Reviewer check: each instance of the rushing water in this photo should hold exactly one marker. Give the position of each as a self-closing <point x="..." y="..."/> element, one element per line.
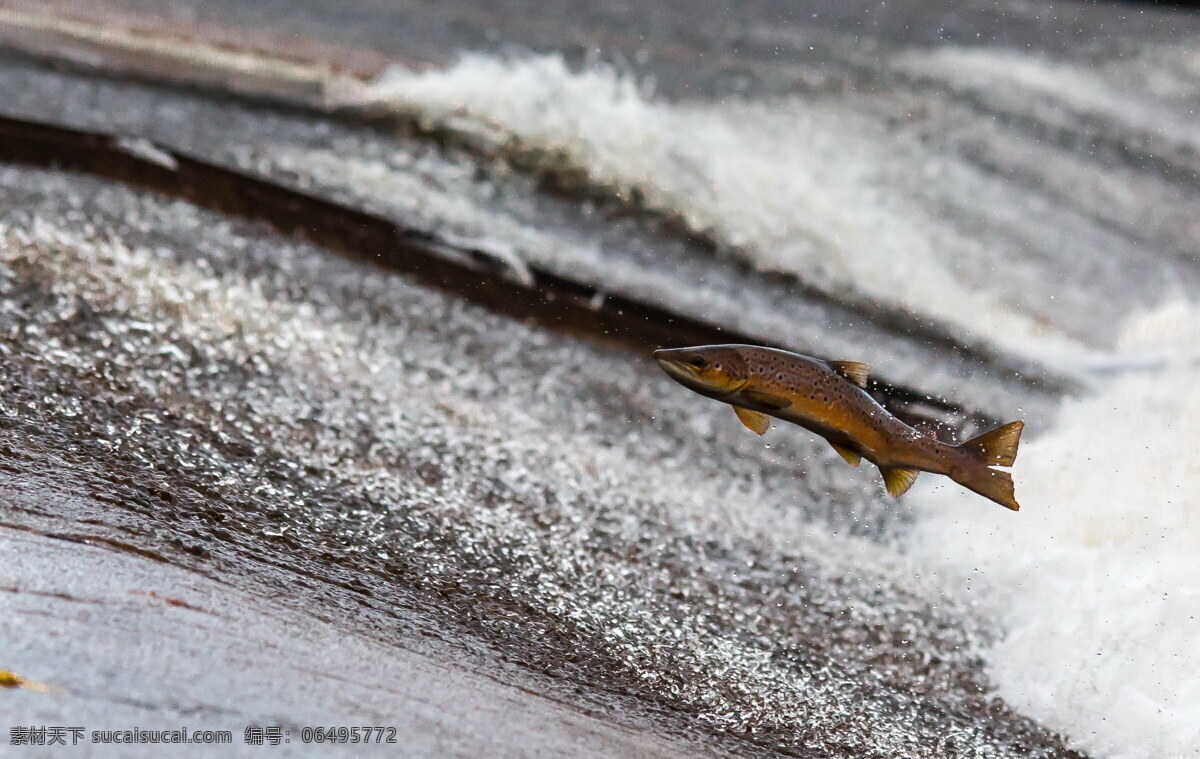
<point x="618" y="532"/>
<point x="969" y="214"/>
<point x="1097" y="585"/>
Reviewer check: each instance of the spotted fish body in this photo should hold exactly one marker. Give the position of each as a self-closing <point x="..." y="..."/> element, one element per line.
<point x="828" y="398"/>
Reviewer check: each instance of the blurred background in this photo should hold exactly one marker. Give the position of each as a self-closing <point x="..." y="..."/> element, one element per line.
<point x="326" y="396"/>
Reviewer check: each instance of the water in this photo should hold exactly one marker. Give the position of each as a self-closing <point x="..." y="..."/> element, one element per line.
<point x="848" y="193"/>
<point x="568" y="506"/>
<point x="1097" y="584"/>
<point x="960" y="213"/>
<point x="249" y="405"/>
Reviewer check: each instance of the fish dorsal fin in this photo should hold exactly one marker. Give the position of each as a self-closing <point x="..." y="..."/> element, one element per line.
<point x="770" y="400"/>
<point x="898" y="481"/>
<point x="850" y="456"/>
<point x="755" y="421"/>
<point x="852" y="370"/>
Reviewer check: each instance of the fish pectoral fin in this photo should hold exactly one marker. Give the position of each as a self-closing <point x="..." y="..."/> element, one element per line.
<point x="898" y="481"/>
<point x="755" y="421"/>
<point x="854" y="371"/>
<point x="850" y="456"/>
<point x="770" y="400"/>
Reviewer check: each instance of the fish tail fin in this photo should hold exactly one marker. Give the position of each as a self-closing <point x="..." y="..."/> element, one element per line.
<point x="997" y="447"/>
<point x="992" y="484"/>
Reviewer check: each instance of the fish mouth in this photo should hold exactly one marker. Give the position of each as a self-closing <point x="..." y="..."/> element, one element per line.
<point x="673" y="366"/>
<point x="677" y="369"/>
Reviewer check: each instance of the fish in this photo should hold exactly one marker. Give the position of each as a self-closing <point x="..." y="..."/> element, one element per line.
<point x="830" y="399"/>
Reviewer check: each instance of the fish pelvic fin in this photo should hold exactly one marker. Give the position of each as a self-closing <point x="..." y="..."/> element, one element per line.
<point x="998" y="447"/>
<point x="854" y="371"/>
<point x="755" y="421"/>
<point x="852" y="458"/>
<point x="897" y="480"/>
<point x="992" y="484"/>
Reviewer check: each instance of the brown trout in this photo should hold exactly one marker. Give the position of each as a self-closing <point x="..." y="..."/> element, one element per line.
<point x="828" y="398"/>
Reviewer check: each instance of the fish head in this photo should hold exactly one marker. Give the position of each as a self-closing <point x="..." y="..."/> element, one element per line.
<point x="712" y="370"/>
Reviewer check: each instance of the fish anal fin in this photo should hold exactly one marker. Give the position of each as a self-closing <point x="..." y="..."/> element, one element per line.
<point x="755" y="421"/>
<point x="850" y="456"/>
<point x="997" y="447"/>
<point x="770" y="400"/>
<point x="854" y="371"/>
<point x="897" y="480"/>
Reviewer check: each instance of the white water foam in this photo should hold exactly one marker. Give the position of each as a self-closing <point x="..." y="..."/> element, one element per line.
<point x="796" y="186"/>
<point x="1129" y="92"/>
<point x="1096" y="582"/>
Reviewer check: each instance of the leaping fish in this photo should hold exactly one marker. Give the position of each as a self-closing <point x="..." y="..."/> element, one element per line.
<point x="828" y="398"/>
